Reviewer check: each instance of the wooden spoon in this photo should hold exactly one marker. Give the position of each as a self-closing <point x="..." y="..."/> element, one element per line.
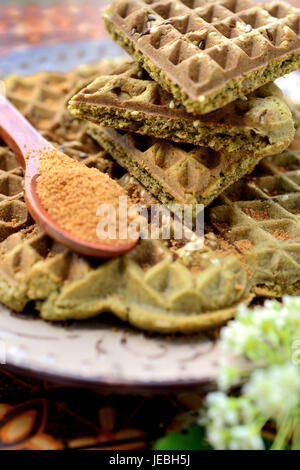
<point x="27" y="143"/>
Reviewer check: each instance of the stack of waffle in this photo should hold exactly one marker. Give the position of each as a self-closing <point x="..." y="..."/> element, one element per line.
<point x="195" y="57"/>
<point x="198" y="107"/>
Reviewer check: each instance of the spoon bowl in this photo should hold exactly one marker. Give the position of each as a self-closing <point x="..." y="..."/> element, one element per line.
<point x="28" y="144"/>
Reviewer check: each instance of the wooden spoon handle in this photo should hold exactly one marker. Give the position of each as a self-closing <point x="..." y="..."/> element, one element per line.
<point x="18" y="133"/>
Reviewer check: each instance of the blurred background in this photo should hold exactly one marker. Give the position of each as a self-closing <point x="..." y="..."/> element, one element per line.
<point x="26" y="23"/>
<point x="37" y="22"/>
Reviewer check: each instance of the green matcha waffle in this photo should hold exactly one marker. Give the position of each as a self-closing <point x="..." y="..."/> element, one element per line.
<point x="174" y="284"/>
<point x="174" y="172"/>
<point x="260" y="216"/>
<point x="129" y="99"/>
<point x="208" y="53"/>
<point x="170" y="286"/>
<point x="148" y="288"/>
<point x="172" y="295"/>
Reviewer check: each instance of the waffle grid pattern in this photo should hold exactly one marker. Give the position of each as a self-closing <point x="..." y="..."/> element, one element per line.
<point x="130" y="84"/>
<point x="202" y="44"/>
<point x="13" y="211"/>
<point x="184" y="172"/>
<point x="128" y="99"/>
<point x="261" y="218"/>
<point x="39" y="97"/>
<point x="177" y="290"/>
<point x="169" y="289"/>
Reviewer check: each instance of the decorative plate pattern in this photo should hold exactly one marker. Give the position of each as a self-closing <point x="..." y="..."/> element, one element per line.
<point x="104" y="352"/>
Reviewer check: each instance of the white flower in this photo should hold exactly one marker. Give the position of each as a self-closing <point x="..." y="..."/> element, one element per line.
<point x="219" y="410"/>
<point x="237" y="336"/>
<point x="245" y="438"/>
<point x="264" y="334"/>
<point x="228" y="377"/>
<point x="217" y="437"/>
<point x="275" y="391"/>
<point x="230" y="422"/>
<point x="262" y="337"/>
<point x="293" y="301"/>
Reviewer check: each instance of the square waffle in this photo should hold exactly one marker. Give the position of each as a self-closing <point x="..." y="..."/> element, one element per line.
<point x="208" y="53"/>
<point x="128" y="99"/>
<point x="42" y="97"/>
<point x="174" y="172"/>
<point x="62" y="284"/>
<point x="160" y="286"/>
<point x="171" y="296"/>
<point x="260" y="216"/>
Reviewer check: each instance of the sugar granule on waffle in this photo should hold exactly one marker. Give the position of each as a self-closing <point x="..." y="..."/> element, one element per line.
<point x="208" y="53"/>
<point x="256" y="214"/>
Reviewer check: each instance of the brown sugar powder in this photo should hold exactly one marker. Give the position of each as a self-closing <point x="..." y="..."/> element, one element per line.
<point x="282" y="236"/>
<point x="256" y="214"/>
<point x="228" y="249"/>
<point x="243" y="245"/>
<point x="71" y="193"/>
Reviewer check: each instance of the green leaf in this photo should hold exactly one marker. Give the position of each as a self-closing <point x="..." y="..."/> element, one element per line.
<point x="193" y="439"/>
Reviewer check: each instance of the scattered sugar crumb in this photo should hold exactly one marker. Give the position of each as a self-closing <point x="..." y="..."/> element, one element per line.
<point x="243" y="245"/>
<point x="256" y="214"/>
<point x="282" y="236"/>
